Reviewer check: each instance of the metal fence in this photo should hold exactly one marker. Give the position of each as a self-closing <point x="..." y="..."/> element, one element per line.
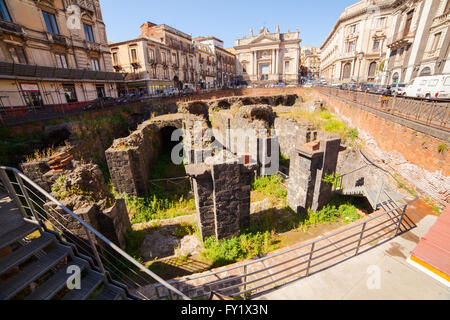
<point x="432" y="113"/>
<point x="254" y="278"/>
<point x="36" y="204"/>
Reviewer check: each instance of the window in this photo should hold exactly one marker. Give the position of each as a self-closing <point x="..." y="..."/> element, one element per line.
<point x="351" y="46"/>
<point x="395" y="78"/>
<point x="352" y="29"/>
<point x="151" y="54"/>
<point x="70" y="93"/>
<point x="61" y="61"/>
<point x="436" y="40"/>
<point x="376" y="44"/>
<point x="133" y="55"/>
<point x="163" y="57"/>
<point x="447" y="80"/>
<point x="347" y="70"/>
<point x="380" y="22"/>
<point x="372" y="69"/>
<point x="4" y="14"/>
<point x="95" y="64"/>
<point x="17" y="55"/>
<point x="287" y="66"/>
<point x="447" y="7"/>
<point x="50" y="22"/>
<point x="425" y="71"/>
<point x="115" y="58"/>
<point x="88" y="32"/>
<point x="409" y="18"/>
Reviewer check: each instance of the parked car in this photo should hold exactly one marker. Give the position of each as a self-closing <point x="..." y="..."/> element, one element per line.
<point x="398" y="89"/>
<point x="308" y="85"/>
<point x="365" y="87"/>
<point x="430" y="87"/>
<point x="187" y="91"/>
<point x="280" y="85"/>
<point x="100" y="102"/>
<point x="131" y="97"/>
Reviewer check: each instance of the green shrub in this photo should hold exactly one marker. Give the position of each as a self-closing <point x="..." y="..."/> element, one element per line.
<point x="246" y="246"/>
<point x="270" y="186"/>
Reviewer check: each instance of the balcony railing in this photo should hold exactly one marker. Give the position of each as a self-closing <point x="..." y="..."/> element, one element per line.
<point x="28" y="70"/>
<point x="10" y="26"/>
<point x="401" y="39"/>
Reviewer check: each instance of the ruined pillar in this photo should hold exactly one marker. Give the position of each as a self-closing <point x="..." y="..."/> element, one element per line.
<point x="308" y="166"/>
<point x="222" y="197"/>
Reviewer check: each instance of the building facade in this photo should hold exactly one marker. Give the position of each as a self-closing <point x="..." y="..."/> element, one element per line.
<point x="419" y="41"/>
<point x="177" y="55"/>
<point x="356" y="48"/>
<point x="269" y="57"/>
<point x="310" y="60"/>
<point x="225" y="61"/>
<point x="54" y="52"/>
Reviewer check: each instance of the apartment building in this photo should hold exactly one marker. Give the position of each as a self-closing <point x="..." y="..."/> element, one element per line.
<point x="310" y="60"/>
<point x="419" y="40"/>
<point x="356" y="48"/>
<point x="225" y="67"/>
<point x="54" y="52"/>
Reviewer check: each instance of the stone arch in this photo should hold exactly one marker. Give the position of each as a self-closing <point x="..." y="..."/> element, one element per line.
<point x="372" y="70"/>
<point x="395" y="78"/>
<point x="425" y="71"/>
<point x="165" y="136"/>
<point x="224" y="104"/>
<point x="347" y="70"/>
<point x="199" y="109"/>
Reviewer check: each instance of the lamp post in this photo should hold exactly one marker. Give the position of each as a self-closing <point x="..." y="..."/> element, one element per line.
<point x="360" y="58"/>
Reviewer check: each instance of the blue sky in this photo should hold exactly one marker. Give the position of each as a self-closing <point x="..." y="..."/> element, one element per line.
<point x="226" y="19"/>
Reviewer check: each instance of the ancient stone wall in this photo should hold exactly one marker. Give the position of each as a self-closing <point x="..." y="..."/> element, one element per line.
<point x="292" y="134"/>
<point x="35" y="171"/>
<point x="130" y="159"/>
<point x="222" y="196"/>
<point x="308" y="166"/>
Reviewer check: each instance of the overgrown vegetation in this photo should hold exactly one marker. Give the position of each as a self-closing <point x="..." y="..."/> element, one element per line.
<point x="165" y="199"/>
<point x="270" y="188"/>
<point x="244" y="247"/>
<point x="325" y="120"/>
<point x="334" y="179"/>
<point x="436" y="209"/>
<point x="442" y="148"/>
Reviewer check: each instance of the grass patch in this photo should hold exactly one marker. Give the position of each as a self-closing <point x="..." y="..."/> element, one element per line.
<point x="269" y="187"/>
<point x="324" y="120"/>
<point x="436" y="209"/>
<point x="246" y="246"/>
<point x="165" y="200"/>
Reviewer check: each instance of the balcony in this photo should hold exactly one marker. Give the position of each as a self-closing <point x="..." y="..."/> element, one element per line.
<point x="84" y="4"/>
<point x="9" y="27"/>
<point x="91" y="46"/>
<point x="39" y="72"/>
<point x="401" y="39"/>
<point x="57" y="39"/>
<point x="444" y="18"/>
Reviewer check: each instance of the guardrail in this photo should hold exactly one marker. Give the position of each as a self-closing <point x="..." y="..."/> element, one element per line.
<point x="253" y="278"/>
<point x="432" y="113"/>
<point x="36" y="204"/>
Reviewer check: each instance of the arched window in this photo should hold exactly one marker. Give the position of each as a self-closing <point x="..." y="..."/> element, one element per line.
<point x="395" y="78"/>
<point x="347" y="71"/>
<point x="372" y="69"/>
<point x="425" y="71"/>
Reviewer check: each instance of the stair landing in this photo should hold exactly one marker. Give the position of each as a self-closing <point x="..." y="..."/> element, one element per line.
<point x="10" y="216"/>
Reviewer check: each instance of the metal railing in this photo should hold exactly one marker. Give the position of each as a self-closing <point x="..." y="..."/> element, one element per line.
<point x="36" y="204"/>
<point x="255" y="277"/>
<point x="432" y="113"/>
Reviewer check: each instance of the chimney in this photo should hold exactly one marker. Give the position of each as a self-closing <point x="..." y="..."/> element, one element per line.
<point x="145" y="28"/>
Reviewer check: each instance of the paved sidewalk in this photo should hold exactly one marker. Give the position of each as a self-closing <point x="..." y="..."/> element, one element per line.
<point x="349" y="280"/>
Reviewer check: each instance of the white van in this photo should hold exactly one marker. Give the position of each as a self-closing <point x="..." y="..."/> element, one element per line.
<point x="430" y="87"/>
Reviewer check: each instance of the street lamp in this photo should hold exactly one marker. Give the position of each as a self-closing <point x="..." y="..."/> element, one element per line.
<point x="360" y="58"/>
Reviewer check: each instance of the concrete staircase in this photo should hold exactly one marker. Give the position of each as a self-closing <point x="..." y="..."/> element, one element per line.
<point x="375" y="197"/>
<point x="34" y="264"/>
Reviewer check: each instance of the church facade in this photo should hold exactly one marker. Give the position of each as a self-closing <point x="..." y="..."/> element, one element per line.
<point x="269" y="58"/>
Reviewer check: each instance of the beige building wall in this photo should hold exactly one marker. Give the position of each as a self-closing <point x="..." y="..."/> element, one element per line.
<point x="364" y="27"/>
<point x="25" y="39"/>
<point x="419" y="44"/>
